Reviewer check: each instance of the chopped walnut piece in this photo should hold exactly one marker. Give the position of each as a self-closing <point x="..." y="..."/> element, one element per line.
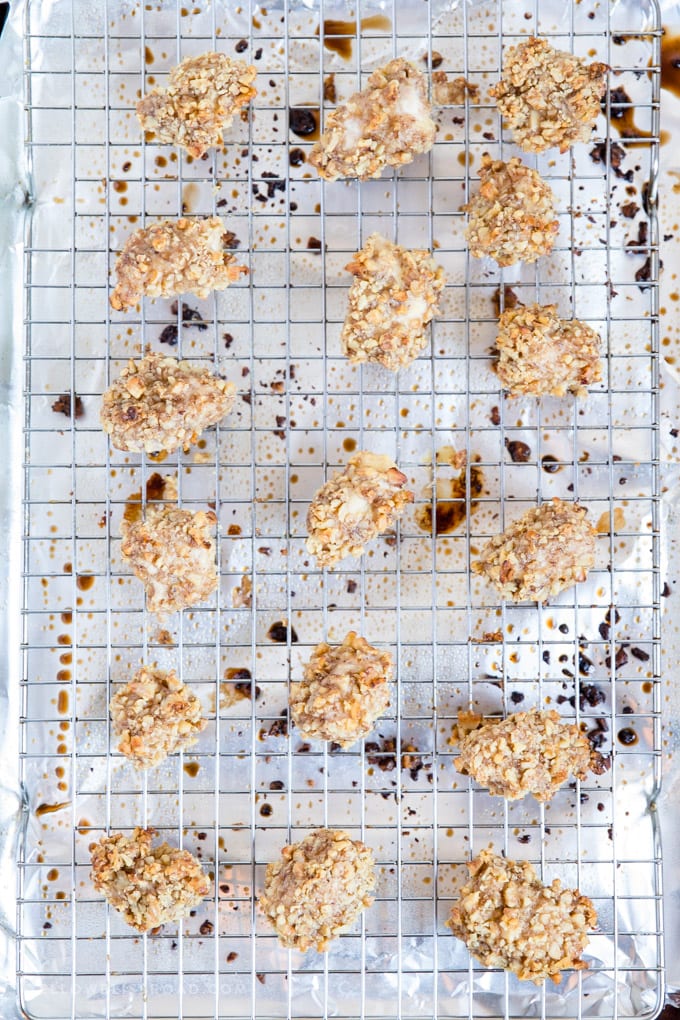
<point x="344" y="690"/>
<point x="155" y="714"/>
<point x="529" y="752"/>
<point x="149" y="887"/>
<point x="318" y="888"/>
<point x="542" y="354"/>
<point x="173" y="553"/>
<point x="512" y="217"/>
<point x="453" y="92"/>
<point x="172" y="257"/>
<point x="204" y="94"/>
<point x="354" y="506"/>
<point x="160" y="403"/>
<point x="392" y="299"/>
<point x="508" y="918"/>
<point x="549" y="548"/>
<point x="387" y="124"/>
<point x="547" y="96"/>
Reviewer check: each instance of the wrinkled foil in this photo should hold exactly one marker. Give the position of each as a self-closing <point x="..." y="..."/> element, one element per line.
<point x="402" y="972"/>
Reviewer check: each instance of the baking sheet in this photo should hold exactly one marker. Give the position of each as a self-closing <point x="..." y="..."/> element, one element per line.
<point x="407" y="956"/>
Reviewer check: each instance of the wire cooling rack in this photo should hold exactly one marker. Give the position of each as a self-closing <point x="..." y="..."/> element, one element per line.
<point x="251" y="784"/>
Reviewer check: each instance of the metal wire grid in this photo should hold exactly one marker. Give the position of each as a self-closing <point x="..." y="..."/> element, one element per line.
<point x="412" y="593"/>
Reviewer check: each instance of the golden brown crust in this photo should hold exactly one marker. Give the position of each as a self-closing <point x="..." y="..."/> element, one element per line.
<point x="149" y="887"/>
<point x="549" y="548"/>
<point x="507" y="918"/>
<point x="547" y="96"/>
<point x="387" y="124"/>
<point x="153" y="715"/>
<point x="160" y="403"/>
<point x="173" y="257"/>
<point x="354" y="506"/>
<point x="542" y="354"/>
<point x="392" y="299"/>
<point x="318" y="888"/>
<point x="172" y="551"/>
<point x="203" y="95"/>
<point x="344" y="690"/>
<point x="512" y="216"/>
<point x="531" y="752"/>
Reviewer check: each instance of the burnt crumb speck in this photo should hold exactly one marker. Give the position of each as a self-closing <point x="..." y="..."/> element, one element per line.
<point x="519" y="452"/>
<point x="206" y="928"/>
<point x="279" y="728"/>
<point x="351" y="586"/>
<point x="599" y="764"/>
<point x="546" y="657"/>
<point x="232" y="956"/>
<point x="629" y="210"/>
<point x="66" y="401"/>
<point x="276" y="784"/>
<point x="563" y="628"/>
<point x="619" y="101"/>
<point x="611" y="154"/>
<point x="516" y="697"/>
<point x="279" y="632"/>
<point x="273" y="183"/>
<point x="241" y="46"/>
<point x="314" y="244"/>
<point x="666" y="590"/>
<point x="228" y="340"/>
<point x="261" y="978"/>
<point x="524" y="838"/>
<point x="495" y="416"/>
<point x="296" y="157"/>
<point x="627" y="737"/>
<point x="596" y="738"/>
<point x="620" y="659"/>
<point x="590" y="696"/>
<point x="644" y="273"/>
<point x="435" y="61"/>
<point x="640" y="654"/>
<point x="302" y="122"/>
<point x="585" y="666"/>
<point x="266" y="810"/>
<point x="190" y="316"/>
<point x="169" y="335"/>
<point x="642" y="239"/>
<point x="257" y="55"/>
<point x="229" y="239"/>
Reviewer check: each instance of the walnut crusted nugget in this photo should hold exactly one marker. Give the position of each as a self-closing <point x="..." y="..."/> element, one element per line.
<point x="344" y="690"/>
<point x="203" y="95"/>
<point x="392" y="299"/>
<point x="319" y="887"/>
<point x="160" y="403"/>
<point x="173" y="257"/>
<point x="529" y="752"/>
<point x="547" y="96"/>
<point x="508" y="918"/>
<point x="549" y="548"/>
<point x="172" y="551"/>
<point x="149" y="887"/>
<point x="512" y="216"/>
<point x="354" y="506"/>
<point x="387" y="124"/>
<point x="541" y="354"/>
<point x="153" y="715"/>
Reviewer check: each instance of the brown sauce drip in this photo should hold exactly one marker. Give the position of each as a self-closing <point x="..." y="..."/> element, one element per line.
<point x="120" y="186"/>
<point x="349" y="444"/>
<point x="338" y="35"/>
<point x="62" y="702"/>
<point x="449" y="514"/>
<point x="148" y="56"/>
<point x="155" y="488"/>
<point x="84" y="581"/>
<point x="192" y="768"/>
<point x="670" y="63"/>
<point x="49" y="809"/>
